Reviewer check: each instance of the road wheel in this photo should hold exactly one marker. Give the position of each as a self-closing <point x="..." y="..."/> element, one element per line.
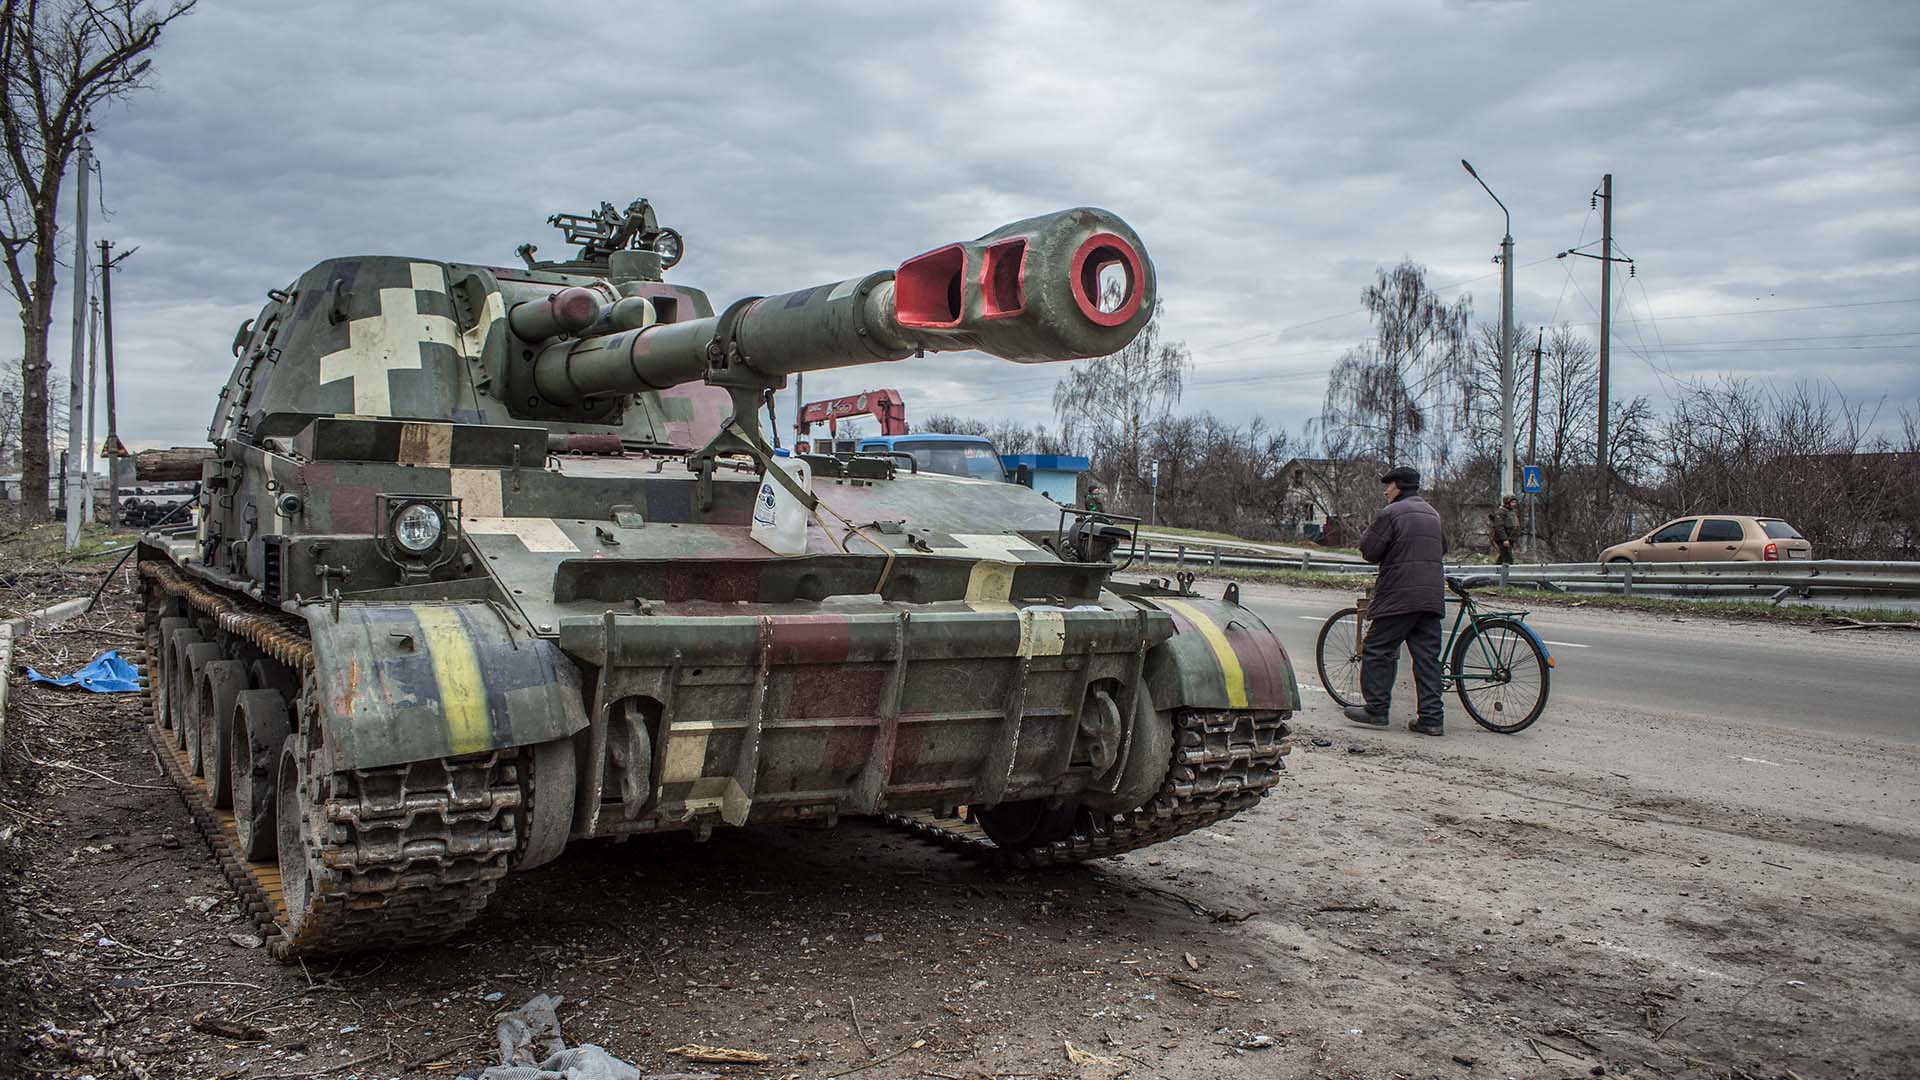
<point x="257" y="728"/>
<point x="1337" y="655"/>
<point x="265" y="674"/>
<point x="179" y="690"/>
<point x="219" y="682"/>
<point x="159" y="640"/>
<point x="1149" y="754"/>
<point x="1501" y="674"/>
<point x="293" y="832"/>
<point x="1619" y="563"/>
<point x="187" y="713"/>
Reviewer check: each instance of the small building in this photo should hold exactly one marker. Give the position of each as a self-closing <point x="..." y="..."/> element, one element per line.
<point x="1308" y="509"/>
<point x="1057" y="476"/>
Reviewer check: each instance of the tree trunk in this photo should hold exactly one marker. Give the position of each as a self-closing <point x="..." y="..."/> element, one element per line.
<point x="34" y="471"/>
<point x="179" y="463"/>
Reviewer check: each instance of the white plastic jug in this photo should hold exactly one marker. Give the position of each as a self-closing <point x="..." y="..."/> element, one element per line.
<point x="779" y="519"/>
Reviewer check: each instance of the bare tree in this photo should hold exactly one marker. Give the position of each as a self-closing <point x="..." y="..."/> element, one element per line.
<point x="1007" y="436"/>
<point x="1109" y="406"/>
<point x="1391" y="391"/>
<point x="59" y="61"/>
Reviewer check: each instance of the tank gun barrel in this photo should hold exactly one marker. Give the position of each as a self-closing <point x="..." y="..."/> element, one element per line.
<point x="1062" y="286"/>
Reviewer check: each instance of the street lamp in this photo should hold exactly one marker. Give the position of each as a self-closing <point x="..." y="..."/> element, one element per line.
<point x="1506" y="338"/>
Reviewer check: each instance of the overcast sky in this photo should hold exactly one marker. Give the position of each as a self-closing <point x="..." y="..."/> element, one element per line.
<point x="1766" y="164"/>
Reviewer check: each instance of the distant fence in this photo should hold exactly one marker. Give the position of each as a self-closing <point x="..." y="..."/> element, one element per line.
<point x="1776" y="580"/>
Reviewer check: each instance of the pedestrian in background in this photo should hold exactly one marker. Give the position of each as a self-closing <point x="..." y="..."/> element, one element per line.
<point x="1503" y="527"/>
<point x="1407" y="605"/>
<point x="1094" y="503"/>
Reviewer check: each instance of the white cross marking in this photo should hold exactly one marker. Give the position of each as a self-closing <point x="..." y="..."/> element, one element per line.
<point x="389" y="341"/>
<point x="996" y="546"/>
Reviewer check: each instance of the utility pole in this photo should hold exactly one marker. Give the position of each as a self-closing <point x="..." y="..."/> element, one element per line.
<point x="1607" y="258"/>
<point x="1506" y="338"/>
<point x="1606" y="336"/>
<point x="93" y="387"/>
<point x="113" y="434"/>
<point x="1533" y="441"/>
<point x="799" y="407"/>
<point x="1533" y="420"/>
<point x="75" y="370"/>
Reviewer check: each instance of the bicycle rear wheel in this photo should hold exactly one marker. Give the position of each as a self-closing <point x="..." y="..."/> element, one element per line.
<point x="1501" y="675"/>
<point x="1337" y="655"/>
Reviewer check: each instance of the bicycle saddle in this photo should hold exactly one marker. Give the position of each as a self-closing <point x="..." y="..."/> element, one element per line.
<point x="1461" y="585"/>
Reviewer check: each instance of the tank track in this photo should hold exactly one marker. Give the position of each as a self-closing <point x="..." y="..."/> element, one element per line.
<point x="411" y="853"/>
<point x="1223" y="763"/>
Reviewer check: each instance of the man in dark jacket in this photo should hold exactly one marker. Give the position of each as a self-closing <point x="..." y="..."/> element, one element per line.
<point x="1408" y="602"/>
<point x="1503" y="527"/>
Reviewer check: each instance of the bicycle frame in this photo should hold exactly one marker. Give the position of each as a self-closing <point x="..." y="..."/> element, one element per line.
<point x="1469" y="612"/>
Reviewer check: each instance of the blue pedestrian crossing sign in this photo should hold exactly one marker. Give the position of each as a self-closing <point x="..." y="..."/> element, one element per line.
<point x="1531" y="480"/>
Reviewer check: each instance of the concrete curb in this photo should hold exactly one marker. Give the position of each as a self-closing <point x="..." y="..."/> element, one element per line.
<point x="51" y="615"/>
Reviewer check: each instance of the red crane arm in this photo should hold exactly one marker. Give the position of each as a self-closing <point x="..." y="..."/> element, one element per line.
<point x="883" y="405"/>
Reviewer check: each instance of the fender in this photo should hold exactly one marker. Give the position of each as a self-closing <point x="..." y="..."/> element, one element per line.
<point x="413" y="682"/>
<point x="1538" y="641"/>
<point x="1221" y="656"/>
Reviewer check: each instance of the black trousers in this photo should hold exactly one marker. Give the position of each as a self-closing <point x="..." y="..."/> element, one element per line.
<point x="1502" y="553"/>
<point x="1380" y="661"/>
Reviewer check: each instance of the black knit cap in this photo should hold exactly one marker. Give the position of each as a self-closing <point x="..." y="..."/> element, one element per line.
<point x="1408" y="479"/>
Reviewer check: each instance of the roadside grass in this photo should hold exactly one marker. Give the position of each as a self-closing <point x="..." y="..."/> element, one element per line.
<point x="1751" y="610"/>
<point x="45" y="545"/>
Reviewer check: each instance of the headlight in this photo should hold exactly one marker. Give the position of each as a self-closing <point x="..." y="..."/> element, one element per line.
<point x="670" y="247"/>
<point x="417" y="528"/>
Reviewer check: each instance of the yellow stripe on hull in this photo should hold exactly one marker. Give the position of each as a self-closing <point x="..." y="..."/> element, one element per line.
<point x="1230" y="672"/>
<point x="456" y="668"/>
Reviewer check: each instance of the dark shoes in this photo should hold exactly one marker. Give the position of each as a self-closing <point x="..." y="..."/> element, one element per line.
<point x="1359" y="715"/>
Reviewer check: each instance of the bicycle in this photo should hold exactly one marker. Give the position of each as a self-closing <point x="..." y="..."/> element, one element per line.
<point x="1498" y="666"/>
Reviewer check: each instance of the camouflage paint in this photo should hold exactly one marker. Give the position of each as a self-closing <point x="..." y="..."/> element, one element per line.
<point x="1222" y="656"/>
<point x="410" y="682"/>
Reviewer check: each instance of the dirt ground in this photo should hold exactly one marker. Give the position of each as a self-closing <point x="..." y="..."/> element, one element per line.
<point x="1420" y="908"/>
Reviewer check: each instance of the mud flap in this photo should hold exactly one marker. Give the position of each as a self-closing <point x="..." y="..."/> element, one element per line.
<point x="1222" y="656"/>
<point x="413" y="682"/>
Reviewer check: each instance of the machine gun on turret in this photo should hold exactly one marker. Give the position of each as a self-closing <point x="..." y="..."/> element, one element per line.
<point x="606" y="231"/>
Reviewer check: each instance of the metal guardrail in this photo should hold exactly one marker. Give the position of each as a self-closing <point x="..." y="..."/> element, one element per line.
<point x="1779" y="579"/>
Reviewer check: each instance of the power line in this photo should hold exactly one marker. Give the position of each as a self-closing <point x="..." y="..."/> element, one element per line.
<point x="1769" y="311"/>
<point x="1796" y="348"/>
<point x="1283" y="331"/>
<point x="1811" y="337"/>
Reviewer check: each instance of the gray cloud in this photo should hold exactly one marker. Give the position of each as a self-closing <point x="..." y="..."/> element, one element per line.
<point x="1272" y="157"/>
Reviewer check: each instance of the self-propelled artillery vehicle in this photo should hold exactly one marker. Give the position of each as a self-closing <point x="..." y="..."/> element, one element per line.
<point x="474" y="577"/>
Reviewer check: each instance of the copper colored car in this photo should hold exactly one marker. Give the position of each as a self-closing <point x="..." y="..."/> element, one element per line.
<point x="1719" y="538"/>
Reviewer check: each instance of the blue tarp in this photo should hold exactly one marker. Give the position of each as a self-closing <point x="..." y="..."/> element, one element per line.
<point x="108" y="673"/>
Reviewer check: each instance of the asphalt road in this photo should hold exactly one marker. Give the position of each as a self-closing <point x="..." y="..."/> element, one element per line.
<point x="1768" y="674"/>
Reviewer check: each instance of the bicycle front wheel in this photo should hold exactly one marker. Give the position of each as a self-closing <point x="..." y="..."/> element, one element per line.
<point x="1501" y="674"/>
<point x="1337" y="654"/>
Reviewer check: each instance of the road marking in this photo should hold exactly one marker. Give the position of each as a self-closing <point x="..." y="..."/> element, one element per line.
<point x="1312" y="618"/>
